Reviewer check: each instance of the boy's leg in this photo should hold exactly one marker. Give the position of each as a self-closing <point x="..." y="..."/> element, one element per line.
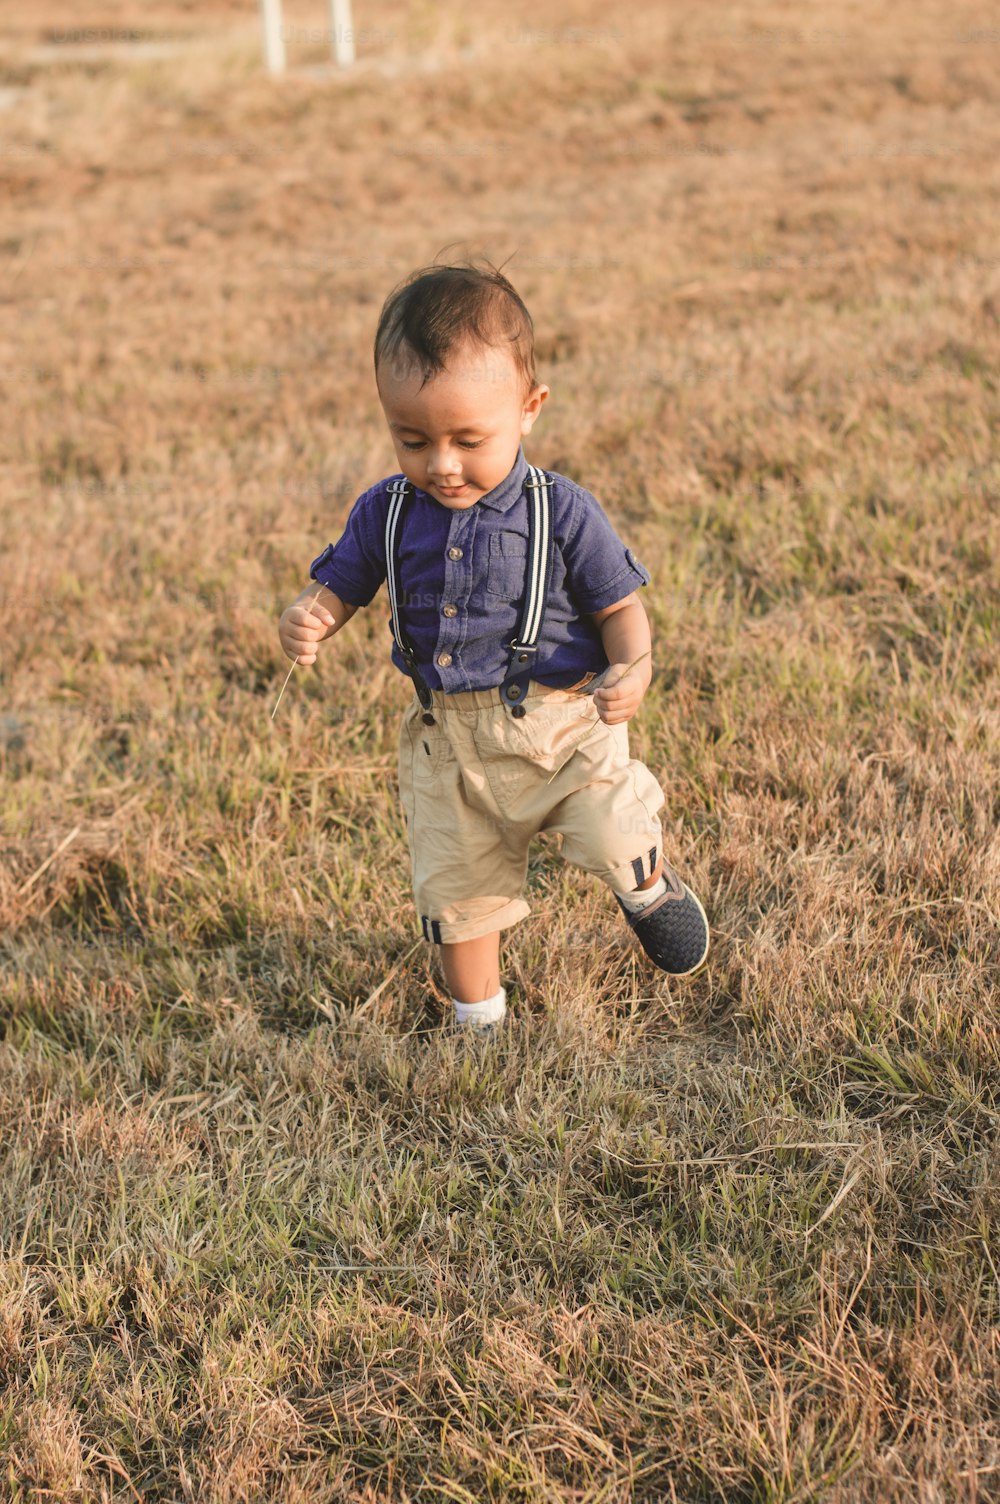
<point x="472" y="968"/>
<point x="468" y="862"/>
<point x="472" y="971"/>
<point x="603" y="820"/>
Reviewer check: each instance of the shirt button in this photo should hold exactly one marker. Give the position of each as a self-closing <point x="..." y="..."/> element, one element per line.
<point x="444" y="660"/>
<point x="454" y="553"/>
<point x="449" y="610"/>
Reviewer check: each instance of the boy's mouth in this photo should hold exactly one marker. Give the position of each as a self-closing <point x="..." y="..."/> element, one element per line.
<point x="453" y="490"/>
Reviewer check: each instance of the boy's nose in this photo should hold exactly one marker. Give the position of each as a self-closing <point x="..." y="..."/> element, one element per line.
<point x="441" y="466"/>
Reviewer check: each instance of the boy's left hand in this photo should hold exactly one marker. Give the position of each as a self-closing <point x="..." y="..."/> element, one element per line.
<point x="620" y="696"/>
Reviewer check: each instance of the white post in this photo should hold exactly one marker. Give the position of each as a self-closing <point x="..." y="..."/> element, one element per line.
<point x="274" y="42"/>
<point x="343" y="32"/>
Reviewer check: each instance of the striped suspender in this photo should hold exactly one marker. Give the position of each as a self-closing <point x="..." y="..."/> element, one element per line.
<point x="523" y="646"/>
<point x="397" y="495"/>
<point x="393" y="523"/>
<point x="539" y="529"/>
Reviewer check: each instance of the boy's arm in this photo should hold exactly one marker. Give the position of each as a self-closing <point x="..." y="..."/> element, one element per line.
<point x="624" y="629"/>
<point x="312" y="617"/>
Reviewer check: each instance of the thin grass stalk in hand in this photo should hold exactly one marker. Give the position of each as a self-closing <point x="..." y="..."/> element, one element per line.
<point x="289" y="674"/>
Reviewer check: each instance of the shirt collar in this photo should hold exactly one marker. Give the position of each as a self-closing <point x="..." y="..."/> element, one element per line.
<point x="503" y="496"/>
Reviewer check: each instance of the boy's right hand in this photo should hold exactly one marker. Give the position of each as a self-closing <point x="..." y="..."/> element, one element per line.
<point x="302" y="628"/>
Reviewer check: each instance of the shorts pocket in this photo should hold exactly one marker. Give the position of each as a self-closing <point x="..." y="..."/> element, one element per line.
<point x="428" y="745"/>
<point x="552" y="728"/>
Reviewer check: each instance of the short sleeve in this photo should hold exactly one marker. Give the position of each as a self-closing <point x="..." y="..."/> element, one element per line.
<point x="354" y="566"/>
<point x="600" y="570"/>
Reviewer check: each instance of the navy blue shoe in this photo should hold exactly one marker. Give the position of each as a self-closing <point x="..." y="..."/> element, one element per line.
<point x="673" y="929"/>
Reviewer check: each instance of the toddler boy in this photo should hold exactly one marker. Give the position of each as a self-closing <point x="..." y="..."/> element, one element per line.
<point x="513" y="609"/>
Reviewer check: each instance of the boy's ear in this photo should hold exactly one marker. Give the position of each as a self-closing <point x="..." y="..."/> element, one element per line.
<point x="532" y="407"/>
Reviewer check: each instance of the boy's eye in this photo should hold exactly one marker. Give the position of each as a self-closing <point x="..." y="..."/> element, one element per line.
<point x="462" y="444"/>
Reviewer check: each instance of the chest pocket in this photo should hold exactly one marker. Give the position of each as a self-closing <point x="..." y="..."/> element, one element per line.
<point x="507" y="565"/>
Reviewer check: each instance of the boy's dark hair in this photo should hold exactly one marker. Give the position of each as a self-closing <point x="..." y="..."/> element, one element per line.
<point x="438" y="307"/>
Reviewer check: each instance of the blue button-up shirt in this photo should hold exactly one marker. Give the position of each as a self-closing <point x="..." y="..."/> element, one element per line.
<point x="461" y="581"/>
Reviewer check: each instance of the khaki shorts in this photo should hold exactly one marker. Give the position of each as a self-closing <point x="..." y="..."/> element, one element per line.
<point x="478" y="785"/>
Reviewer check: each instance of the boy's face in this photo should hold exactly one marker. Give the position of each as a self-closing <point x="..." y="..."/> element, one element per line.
<point x="458" y="436"/>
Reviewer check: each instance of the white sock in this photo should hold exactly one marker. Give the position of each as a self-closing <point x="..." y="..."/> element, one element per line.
<point x="638" y="900"/>
<point x="489" y="1011"/>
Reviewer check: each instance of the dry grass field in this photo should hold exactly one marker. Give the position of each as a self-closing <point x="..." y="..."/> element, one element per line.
<point x="268" y="1230"/>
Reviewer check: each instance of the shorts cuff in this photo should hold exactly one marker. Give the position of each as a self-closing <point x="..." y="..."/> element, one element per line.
<point x="469" y="920"/>
<point x="627" y="876"/>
